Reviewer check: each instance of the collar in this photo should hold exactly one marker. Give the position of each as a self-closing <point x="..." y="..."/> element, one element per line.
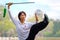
<point x="21" y="23"/>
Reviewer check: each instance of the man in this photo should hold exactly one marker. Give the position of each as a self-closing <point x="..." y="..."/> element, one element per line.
<point x="22" y="27"/>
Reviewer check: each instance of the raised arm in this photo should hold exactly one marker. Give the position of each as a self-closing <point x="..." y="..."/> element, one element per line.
<point x="32" y="23"/>
<point x="14" y="21"/>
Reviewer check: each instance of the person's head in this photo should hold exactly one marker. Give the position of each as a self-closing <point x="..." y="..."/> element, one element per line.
<point x="22" y="16"/>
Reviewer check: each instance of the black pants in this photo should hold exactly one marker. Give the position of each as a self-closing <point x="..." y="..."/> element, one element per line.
<point x="37" y="27"/>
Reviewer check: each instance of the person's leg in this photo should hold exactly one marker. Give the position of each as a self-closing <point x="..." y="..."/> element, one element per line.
<point x="37" y="27"/>
<point x="33" y="31"/>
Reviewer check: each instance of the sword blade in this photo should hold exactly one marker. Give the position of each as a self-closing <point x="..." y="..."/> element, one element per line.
<point x="22" y="3"/>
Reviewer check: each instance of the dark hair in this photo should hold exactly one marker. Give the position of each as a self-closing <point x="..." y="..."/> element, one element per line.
<point x="20" y="14"/>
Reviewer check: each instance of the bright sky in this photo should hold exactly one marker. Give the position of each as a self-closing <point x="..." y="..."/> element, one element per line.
<point x="50" y="7"/>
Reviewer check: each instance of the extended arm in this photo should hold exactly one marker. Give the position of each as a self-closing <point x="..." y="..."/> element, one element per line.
<point x="14" y="21"/>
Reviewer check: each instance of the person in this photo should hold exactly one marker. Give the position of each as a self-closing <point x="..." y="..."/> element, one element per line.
<point x="22" y="27"/>
<point x="27" y="30"/>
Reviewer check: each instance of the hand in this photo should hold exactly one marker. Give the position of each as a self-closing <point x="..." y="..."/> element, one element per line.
<point x="36" y="17"/>
<point x="9" y="4"/>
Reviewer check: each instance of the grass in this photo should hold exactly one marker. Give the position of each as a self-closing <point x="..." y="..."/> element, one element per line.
<point x="37" y="38"/>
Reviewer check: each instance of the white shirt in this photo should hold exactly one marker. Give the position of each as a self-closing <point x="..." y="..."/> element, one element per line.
<point x="22" y="29"/>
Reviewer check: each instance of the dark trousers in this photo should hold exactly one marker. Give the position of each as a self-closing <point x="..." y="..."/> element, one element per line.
<point x="37" y="27"/>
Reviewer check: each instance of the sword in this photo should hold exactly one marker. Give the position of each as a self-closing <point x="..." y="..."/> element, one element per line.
<point x="4" y="14"/>
<point x="22" y="3"/>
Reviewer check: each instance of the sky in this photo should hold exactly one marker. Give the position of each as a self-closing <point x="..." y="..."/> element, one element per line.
<point x="50" y="7"/>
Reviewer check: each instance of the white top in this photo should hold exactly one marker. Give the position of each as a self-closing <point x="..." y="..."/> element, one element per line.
<point x="22" y="29"/>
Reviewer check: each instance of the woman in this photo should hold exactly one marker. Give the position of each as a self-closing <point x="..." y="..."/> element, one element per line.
<point x="26" y="30"/>
<point x="22" y="27"/>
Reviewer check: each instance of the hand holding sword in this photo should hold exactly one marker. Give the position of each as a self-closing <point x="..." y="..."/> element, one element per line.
<point x="9" y="4"/>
